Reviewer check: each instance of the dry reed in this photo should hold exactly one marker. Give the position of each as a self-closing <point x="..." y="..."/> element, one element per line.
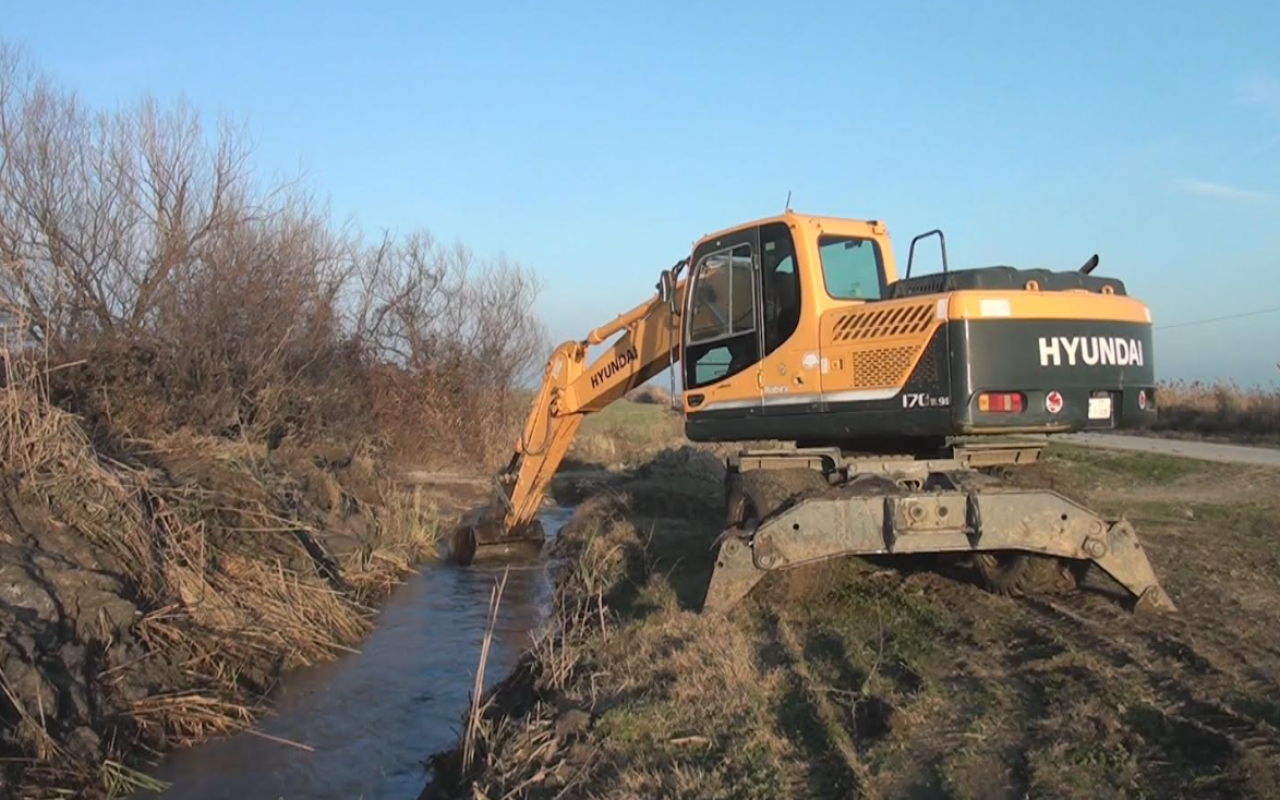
<point x="477" y="689"/>
<point x="1219" y="409"/>
<point x="218" y="550"/>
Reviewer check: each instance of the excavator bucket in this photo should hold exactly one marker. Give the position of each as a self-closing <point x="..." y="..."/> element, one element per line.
<point x="1037" y="523"/>
<point x="481" y="535"/>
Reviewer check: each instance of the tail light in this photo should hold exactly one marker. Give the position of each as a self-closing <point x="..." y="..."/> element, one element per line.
<point x="1001" y="402"/>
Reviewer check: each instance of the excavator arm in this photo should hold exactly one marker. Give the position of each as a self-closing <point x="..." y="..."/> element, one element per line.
<point x="571" y="388"/>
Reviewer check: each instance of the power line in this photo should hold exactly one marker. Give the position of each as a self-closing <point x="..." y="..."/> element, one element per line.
<point x="1218" y="319"/>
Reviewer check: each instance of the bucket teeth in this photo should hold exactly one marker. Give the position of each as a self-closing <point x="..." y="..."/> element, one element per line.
<point x="735" y="574"/>
<point x="1154" y="600"/>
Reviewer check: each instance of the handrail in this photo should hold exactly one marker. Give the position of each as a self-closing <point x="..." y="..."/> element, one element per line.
<point x="911" y="253"/>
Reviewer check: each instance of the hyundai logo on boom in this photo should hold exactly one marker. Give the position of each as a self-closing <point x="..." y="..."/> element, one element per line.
<point x="613" y="367"/>
<point x="1091" y="350"/>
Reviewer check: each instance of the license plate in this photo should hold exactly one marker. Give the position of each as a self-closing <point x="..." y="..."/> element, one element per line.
<point x="1099" y="408"/>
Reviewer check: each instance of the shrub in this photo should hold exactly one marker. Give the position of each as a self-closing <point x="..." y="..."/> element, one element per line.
<point x="140" y="247"/>
<point x="650" y="394"/>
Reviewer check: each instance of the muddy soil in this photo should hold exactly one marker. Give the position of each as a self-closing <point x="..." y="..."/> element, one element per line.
<point x="904" y="679"/>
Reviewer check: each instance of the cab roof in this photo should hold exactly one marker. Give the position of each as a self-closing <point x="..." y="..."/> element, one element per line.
<point x="789" y="217"/>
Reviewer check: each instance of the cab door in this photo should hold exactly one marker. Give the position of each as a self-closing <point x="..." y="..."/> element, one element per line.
<point x="789" y="375"/>
<point x="722" y="336"/>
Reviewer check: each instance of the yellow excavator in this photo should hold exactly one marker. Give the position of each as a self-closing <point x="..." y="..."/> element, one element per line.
<point x="894" y="401"/>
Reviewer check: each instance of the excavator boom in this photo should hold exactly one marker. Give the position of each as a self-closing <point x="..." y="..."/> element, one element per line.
<point x="571" y="388"/>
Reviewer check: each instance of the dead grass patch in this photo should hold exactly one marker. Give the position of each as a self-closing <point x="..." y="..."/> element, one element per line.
<point x="619" y="707"/>
<point x="895" y="678"/>
<point x="1219" y="410"/>
<point x="627" y="434"/>
<point x="172" y="581"/>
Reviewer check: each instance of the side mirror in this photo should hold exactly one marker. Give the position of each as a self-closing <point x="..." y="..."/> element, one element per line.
<point x="667" y="289"/>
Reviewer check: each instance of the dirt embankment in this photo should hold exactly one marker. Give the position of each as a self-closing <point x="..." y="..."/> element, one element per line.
<point x="170" y="548"/>
<point x="899" y="679"/>
<point x="151" y="595"/>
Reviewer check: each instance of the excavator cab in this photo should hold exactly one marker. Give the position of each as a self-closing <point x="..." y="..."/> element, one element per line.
<point x="890" y="394"/>
<point x="799" y="329"/>
<point x="753" y="363"/>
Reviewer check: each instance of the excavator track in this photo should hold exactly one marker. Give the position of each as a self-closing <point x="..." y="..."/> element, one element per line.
<point x="789" y="508"/>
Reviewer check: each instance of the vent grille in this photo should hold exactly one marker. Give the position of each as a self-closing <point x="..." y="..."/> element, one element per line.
<point x="927" y="367"/>
<point x="929" y="284"/>
<point x="886" y="366"/>
<point x="883" y="323"/>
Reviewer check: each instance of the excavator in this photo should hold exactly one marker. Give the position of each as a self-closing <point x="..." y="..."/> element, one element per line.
<point x="898" y="406"/>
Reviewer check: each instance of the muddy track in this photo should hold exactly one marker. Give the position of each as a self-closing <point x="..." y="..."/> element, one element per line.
<point x="1161" y="701"/>
<point x="1181" y="689"/>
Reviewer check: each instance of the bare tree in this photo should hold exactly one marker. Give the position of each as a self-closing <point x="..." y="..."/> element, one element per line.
<point x="140" y="242"/>
<point x="457" y="333"/>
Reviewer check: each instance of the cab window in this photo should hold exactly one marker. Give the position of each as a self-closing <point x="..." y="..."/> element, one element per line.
<point x="721" y="333"/>
<point x="852" y="268"/>
<point x="724" y="301"/>
<point x="712" y="365"/>
<point x="781" y="285"/>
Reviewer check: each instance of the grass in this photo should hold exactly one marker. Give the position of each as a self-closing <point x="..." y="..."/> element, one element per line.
<point x="900" y="679"/>
<point x="631" y="422"/>
<point x="121" y="781"/>
<point x="627" y="433"/>
<point x="1137" y="468"/>
<point x="1257" y="518"/>
<point x="214" y="567"/>
<point x="1220" y="409"/>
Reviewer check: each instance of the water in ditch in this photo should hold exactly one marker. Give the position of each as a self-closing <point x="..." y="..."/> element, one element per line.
<point x="370" y="718"/>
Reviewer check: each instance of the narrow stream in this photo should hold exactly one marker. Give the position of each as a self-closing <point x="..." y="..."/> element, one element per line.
<point x="373" y="716"/>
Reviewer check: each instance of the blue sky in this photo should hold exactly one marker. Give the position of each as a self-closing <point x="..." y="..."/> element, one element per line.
<point x="595" y="141"/>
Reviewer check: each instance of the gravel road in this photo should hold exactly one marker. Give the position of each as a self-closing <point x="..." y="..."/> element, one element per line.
<point x="1205" y="451"/>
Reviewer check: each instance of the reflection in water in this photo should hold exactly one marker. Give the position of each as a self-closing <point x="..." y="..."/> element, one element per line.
<point x="373" y="717"/>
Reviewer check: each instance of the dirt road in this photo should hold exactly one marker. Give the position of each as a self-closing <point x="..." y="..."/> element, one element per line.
<point x="1205" y="451"/>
